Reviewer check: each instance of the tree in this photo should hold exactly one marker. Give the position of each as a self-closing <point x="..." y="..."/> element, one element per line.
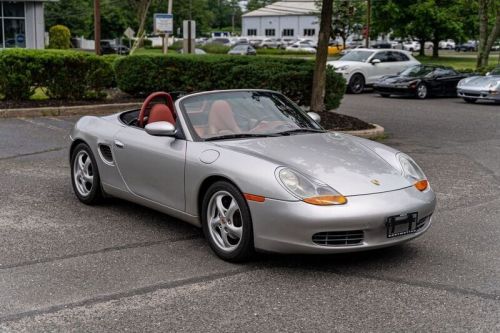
<point x="348" y="17"/>
<point x="74" y="14"/>
<point x="319" y="77"/>
<point x="256" y="4"/>
<point x="489" y="29"/>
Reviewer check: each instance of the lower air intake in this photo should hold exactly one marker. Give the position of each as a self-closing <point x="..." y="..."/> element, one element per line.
<point x="338" y="238"/>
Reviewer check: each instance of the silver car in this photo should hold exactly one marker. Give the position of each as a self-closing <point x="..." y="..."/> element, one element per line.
<point x="255" y="172"/>
<point x="476" y="88"/>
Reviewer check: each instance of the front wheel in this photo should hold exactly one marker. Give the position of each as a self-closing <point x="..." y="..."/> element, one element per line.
<point x="227" y="223"/>
<point x="470" y="100"/>
<point x="422" y="92"/>
<point x="357" y="84"/>
<point x="85" y="175"/>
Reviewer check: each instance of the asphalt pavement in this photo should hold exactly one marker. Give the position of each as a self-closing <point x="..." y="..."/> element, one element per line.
<point x="67" y="267"/>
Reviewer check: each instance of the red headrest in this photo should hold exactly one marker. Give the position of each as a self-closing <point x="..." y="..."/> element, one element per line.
<point x="161" y="112"/>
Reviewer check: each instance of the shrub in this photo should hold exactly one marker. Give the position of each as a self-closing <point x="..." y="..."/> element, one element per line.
<point x="215" y="48"/>
<point x="144" y="74"/>
<point x="63" y="74"/>
<point x="59" y="37"/>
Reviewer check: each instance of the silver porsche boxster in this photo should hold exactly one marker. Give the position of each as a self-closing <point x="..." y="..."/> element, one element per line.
<point x="476" y="88"/>
<point x="255" y="172"/>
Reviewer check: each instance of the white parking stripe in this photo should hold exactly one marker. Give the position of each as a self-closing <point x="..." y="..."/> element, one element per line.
<point x="43" y="125"/>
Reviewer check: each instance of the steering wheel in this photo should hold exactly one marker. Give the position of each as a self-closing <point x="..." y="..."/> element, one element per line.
<point x="149" y="100"/>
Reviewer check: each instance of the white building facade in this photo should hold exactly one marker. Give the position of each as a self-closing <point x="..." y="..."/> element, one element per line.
<point x="22" y="24"/>
<point x="283" y="19"/>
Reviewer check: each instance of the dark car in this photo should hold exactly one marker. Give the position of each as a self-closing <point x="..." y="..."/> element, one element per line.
<point x="109" y="48"/>
<point x="420" y="81"/>
<point x="466" y="47"/>
<point x="382" y="45"/>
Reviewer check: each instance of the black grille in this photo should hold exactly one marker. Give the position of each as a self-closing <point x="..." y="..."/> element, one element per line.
<point x="338" y="238"/>
<point x="106" y="153"/>
<point x="421" y="223"/>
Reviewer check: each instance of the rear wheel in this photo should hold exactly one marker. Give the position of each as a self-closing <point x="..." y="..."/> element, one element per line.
<point x="357" y="84"/>
<point x="470" y="100"/>
<point x="227" y="223"/>
<point x="85" y="175"/>
<point x="422" y="92"/>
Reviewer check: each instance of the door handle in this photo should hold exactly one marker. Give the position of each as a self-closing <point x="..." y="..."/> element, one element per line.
<point x="119" y="144"/>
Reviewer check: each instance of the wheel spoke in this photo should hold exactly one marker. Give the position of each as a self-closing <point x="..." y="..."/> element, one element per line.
<point x="215" y="222"/>
<point x="233" y="208"/>
<point x="81" y="164"/>
<point x="235" y="231"/>
<point x="225" y="241"/>
<point x="88" y="178"/>
<point x="220" y="207"/>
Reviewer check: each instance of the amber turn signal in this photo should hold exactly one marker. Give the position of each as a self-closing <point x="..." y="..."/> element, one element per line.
<point x="326" y="200"/>
<point x="422" y="185"/>
<point x="253" y="197"/>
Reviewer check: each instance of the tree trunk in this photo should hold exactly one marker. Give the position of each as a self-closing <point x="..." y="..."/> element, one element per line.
<point x="422" y="47"/>
<point x="493" y="36"/>
<point x="483" y="31"/>
<point x="319" y="77"/>
<point x="435" y="48"/>
<point x="144" y="8"/>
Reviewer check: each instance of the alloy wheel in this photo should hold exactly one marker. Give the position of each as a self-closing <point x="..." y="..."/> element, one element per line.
<point x="83" y="173"/>
<point x="422" y="91"/>
<point x="224" y="221"/>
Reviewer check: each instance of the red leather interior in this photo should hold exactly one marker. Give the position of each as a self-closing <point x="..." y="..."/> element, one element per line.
<point x="221" y="118"/>
<point x="142" y="119"/>
<point x="161" y="112"/>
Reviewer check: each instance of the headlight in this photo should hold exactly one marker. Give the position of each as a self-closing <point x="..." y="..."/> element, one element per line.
<point x="413" y="172"/>
<point x="343" y="68"/>
<point x="308" y="190"/>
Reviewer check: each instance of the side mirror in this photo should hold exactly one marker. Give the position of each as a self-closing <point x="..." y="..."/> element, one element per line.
<point x="314" y="116"/>
<point x="488" y="73"/>
<point x="375" y="61"/>
<point x="160" y="128"/>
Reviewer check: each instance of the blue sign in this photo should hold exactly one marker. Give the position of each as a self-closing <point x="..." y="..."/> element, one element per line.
<point x="20" y="39"/>
<point x="163" y="23"/>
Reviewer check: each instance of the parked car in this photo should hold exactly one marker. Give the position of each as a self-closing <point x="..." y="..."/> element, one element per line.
<point x="470" y="46"/>
<point x="255" y="42"/>
<point x="496" y="47"/>
<point x="302" y="47"/>
<point x="243" y="165"/>
<point x="362" y="67"/>
<point x="412" y="46"/>
<point x="485" y="87"/>
<point x="334" y="49"/>
<point x="382" y="45"/>
<point x="448" y="44"/>
<point x="269" y="43"/>
<point x="196" y="51"/>
<point x="109" y="48"/>
<point x="421" y="81"/>
<point x="219" y="40"/>
<point x="243" y="49"/>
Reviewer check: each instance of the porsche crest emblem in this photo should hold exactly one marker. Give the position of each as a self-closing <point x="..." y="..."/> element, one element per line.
<point x="375" y="182"/>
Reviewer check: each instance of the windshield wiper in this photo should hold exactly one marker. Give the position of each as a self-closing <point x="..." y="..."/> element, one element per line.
<point x="240" y="136"/>
<point x="299" y="130"/>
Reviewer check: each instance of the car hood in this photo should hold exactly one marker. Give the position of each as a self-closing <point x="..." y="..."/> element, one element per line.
<point x="481" y="81"/>
<point x="395" y="79"/>
<point x="335" y="159"/>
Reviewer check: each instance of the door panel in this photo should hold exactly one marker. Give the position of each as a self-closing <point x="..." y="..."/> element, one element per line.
<point x="152" y="166"/>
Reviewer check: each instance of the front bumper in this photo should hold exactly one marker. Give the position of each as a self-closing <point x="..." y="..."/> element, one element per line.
<point x="288" y="227"/>
<point x="392" y="90"/>
<point x="479" y="94"/>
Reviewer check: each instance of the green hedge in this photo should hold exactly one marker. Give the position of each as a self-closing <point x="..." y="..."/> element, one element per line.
<point x="142" y="74"/>
<point x="62" y="74"/>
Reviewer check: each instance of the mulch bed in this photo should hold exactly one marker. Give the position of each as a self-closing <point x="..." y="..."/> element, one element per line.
<point x="339" y="122"/>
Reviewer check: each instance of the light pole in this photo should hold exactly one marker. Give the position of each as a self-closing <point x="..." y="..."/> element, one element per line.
<point x="97" y="26"/>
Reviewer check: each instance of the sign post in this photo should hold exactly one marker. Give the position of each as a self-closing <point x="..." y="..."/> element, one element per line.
<point x="129" y="33"/>
<point x="189" y="35"/>
<point x="164" y="25"/>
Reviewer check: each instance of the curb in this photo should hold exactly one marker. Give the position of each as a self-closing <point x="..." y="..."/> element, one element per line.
<point x="97" y="109"/>
<point x="367" y="134"/>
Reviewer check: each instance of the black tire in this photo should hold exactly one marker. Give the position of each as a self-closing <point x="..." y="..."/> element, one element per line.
<point x="95" y="194"/>
<point x="245" y="249"/>
<point x="470" y="100"/>
<point x="422" y="91"/>
<point x="385" y="95"/>
<point x="357" y="84"/>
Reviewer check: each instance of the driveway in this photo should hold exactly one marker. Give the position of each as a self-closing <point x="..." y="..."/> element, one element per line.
<point x="66" y="267"/>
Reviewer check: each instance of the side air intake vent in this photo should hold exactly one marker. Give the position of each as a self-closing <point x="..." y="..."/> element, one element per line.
<point x="106" y="154"/>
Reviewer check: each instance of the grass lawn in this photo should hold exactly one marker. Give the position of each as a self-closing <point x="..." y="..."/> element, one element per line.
<point x="457" y="62"/>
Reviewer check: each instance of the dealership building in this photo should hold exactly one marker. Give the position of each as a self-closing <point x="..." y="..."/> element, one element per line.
<point x="22" y="24"/>
<point x="283" y="19"/>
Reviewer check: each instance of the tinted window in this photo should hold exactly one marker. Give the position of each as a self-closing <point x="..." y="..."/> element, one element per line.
<point x="444" y="72"/>
<point x="398" y="56"/>
<point x="382" y="56"/>
<point x="360" y="56"/>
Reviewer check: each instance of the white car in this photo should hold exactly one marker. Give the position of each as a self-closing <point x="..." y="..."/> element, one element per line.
<point x="448" y="44"/>
<point x="362" y="67"/>
<point x="411" y="46"/>
<point x="303" y="46"/>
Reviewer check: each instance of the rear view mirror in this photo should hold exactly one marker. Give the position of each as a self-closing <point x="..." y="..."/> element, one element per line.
<point x="314" y="116"/>
<point x="160" y="128"/>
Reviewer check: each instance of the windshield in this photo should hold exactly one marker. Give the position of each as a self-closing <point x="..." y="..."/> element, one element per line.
<point x="496" y="71"/>
<point x="244" y="114"/>
<point x="242" y="47"/>
<point x="417" y="71"/>
<point x="361" y="56"/>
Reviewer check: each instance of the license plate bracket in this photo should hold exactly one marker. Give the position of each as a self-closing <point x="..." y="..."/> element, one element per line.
<point x="401" y="225"/>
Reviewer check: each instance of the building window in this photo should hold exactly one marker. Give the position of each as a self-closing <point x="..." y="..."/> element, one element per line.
<point x="12" y="25"/>
<point x="287" y="33"/>
<point x="252" y="32"/>
<point x="270" y="32"/>
<point x="309" y="32"/>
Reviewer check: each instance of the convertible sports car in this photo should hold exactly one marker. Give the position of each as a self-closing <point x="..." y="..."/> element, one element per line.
<point x="255" y="172"/>
<point x="481" y="87"/>
<point x="420" y="81"/>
